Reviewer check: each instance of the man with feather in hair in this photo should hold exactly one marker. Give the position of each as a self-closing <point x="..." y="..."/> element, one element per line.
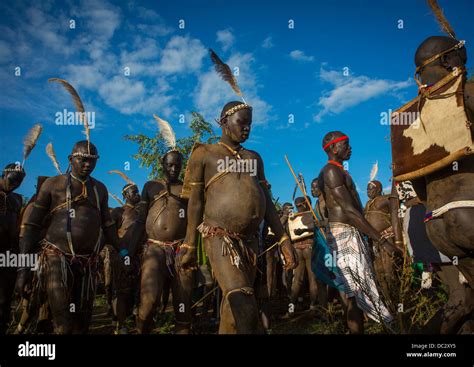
<point x="436" y="154"/>
<point x="227" y="208"/>
<point x="10" y="211"/>
<point x="163" y="218"/>
<point x="77" y="206"/>
<point x="124" y="281"/>
<point x="381" y="211"/>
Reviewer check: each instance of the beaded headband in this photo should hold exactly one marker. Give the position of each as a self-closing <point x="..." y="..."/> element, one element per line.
<point x="85" y="155"/>
<point x="231" y="111"/>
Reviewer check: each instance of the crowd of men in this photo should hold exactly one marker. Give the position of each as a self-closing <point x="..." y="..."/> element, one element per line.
<point x="219" y="226"/>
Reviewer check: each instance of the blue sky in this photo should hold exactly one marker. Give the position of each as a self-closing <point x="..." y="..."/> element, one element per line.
<point x="284" y="71"/>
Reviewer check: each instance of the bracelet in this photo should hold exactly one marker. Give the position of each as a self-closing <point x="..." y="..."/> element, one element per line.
<point x="185" y="245"/>
<point x="399" y="242"/>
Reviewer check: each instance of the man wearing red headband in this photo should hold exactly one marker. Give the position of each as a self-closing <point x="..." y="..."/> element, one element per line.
<point x="352" y="255"/>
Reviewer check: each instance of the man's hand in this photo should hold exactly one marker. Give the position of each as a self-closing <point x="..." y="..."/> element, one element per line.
<point x="23" y="281"/>
<point x="289" y="253"/>
<point x="186" y="258"/>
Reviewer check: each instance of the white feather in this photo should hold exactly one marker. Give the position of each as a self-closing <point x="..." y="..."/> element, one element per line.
<point x="52" y="156"/>
<point x="167" y="132"/>
<point x="373" y="172"/>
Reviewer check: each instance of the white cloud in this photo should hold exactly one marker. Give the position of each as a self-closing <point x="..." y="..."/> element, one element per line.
<point x="148" y="14"/>
<point x="155" y="30"/>
<point x="122" y="93"/>
<point x="87" y="76"/>
<point x="131" y="96"/>
<point x="155" y="25"/>
<point x="102" y="18"/>
<point x="267" y="42"/>
<point x="225" y="38"/>
<point x="299" y="55"/>
<point x="350" y="91"/>
<point x="212" y="93"/>
<point x="182" y="55"/>
<point x="47" y="30"/>
<point x="144" y="49"/>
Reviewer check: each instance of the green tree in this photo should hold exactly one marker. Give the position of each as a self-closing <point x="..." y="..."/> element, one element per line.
<point x="152" y="149"/>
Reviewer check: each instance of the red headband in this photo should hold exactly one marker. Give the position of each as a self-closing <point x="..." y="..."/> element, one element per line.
<point x="334" y="141"/>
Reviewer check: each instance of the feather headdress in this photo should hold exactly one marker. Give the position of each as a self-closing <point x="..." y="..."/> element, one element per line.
<point x="443" y="22"/>
<point x="30" y="141"/>
<point x="52" y="155"/>
<point x="374" y="171"/>
<point x="167" y="133"/>
<point x="225" y="73"/>
<point x="79" y="106"/>
<point x="125" y="177"/>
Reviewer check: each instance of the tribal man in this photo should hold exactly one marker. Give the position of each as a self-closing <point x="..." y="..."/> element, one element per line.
<point x="32" y="303"/>
<point x="124" y="283"/>
<point x="301" y="229"/>
<point x="381" y="211"/>
<point x="78" y="208"/>
<point x="10" y="207"/>
<point x="346" y="222"/>
<point x="435" y="152"/>
<point x="227" y="207"/>
<point x="10" y="210"/>
<point x="163" y="212"/>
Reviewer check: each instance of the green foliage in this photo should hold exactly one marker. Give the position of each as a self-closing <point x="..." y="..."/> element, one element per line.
<point x="152" y="149"/>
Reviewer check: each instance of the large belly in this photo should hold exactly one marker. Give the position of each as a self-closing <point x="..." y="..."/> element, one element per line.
<point x="235" y="203"/>
<point x="169" y="225"/>
<point x="85" y="229"/>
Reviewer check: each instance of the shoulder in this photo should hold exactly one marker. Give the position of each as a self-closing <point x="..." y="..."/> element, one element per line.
<point x="200" y="149"/>
<point x="100" y="186"/>
<point x="154" y="184"/>
<point x="330" y="170"/>
<point x="333" y="176"/>
<point x="54" y="182"/>
<point x="254" y="154"/>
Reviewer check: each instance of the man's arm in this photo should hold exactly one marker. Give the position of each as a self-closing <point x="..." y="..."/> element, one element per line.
<point x="108" y="224"/>
<point x="195" y="211"/>
<point x="335" y="181"/>
<point x="31" y="235"/>
<point x="395" y="220"/>
<point x="136" y="231"/>
<point x="33" y="224"/>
